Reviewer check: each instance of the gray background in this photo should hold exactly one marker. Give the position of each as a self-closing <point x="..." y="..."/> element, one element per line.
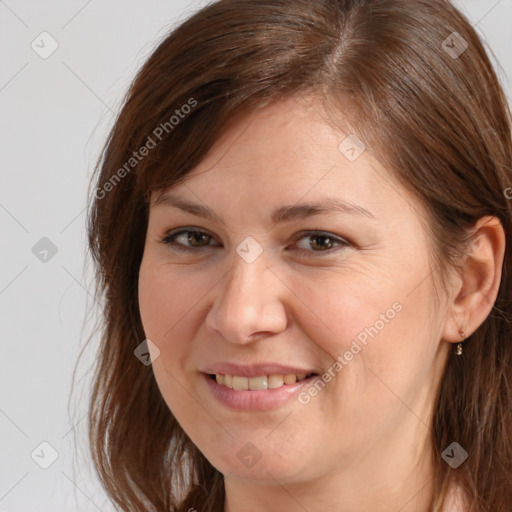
<point x="55" y="115"/>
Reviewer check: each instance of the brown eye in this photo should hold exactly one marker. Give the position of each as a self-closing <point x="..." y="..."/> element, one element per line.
<point x="321" y="242"/>
<point x="188" y="240"/>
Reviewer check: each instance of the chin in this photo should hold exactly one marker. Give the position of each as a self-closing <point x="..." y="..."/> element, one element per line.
<point x="264" y="467"/>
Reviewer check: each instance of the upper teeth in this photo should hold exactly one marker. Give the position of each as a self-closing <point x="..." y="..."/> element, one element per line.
<point x="257" y="383"/>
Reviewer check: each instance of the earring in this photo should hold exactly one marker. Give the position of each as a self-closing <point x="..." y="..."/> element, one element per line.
<point x="458" y="350"/>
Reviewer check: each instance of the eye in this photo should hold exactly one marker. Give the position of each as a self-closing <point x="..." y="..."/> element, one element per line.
<point x="321" y="241"/>
<point x="192" y="240"/>
<point x="187" y="240"/>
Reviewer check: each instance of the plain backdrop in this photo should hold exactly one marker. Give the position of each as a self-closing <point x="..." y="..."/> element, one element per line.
<point x="55" y="115"/>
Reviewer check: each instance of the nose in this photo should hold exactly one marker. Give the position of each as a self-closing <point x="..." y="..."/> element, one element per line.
<point x="248" y="302"/>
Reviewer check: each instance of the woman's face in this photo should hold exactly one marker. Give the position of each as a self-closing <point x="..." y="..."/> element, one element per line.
<point x="312" y="261"/>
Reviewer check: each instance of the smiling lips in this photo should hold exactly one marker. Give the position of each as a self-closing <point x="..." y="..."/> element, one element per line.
<point x="256" y="387"/>
<point x="257" y="377"/>
<point x="258" y="383"/>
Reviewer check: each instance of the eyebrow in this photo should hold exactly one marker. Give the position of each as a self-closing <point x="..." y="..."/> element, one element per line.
<point x="283" y="214"/>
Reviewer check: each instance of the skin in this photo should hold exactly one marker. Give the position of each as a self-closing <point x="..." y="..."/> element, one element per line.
<point x="363" y="443"/>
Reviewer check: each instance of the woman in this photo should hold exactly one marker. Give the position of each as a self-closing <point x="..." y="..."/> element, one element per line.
<point x="300" y="219"/>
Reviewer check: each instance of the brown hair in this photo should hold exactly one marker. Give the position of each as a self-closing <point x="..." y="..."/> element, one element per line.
<point x="438" y="121"/>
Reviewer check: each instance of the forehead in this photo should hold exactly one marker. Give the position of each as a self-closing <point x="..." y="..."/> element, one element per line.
<point x="286" y="153"/>
<point x="281" y="136"/>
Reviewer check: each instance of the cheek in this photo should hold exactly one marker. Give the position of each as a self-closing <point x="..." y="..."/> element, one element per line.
<point x="168" y="302"/>
<point x="170" y="309"/>
<point x="166" y="298"/>
<point x="347" y="310"/>
<point x="379" y="332"/>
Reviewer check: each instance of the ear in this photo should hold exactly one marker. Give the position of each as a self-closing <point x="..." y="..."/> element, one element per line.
<point x="477" y="285"/>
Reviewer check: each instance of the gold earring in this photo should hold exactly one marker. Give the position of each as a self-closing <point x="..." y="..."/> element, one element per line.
<point x="458" y="350"/>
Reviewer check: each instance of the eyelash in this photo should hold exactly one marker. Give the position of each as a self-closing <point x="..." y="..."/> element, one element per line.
<point x="170" y="237"/>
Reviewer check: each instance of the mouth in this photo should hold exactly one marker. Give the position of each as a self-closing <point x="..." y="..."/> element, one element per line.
<point x="256" y="390"/>
<point x="259" y="386"/>
<point x="260" y="382"/>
